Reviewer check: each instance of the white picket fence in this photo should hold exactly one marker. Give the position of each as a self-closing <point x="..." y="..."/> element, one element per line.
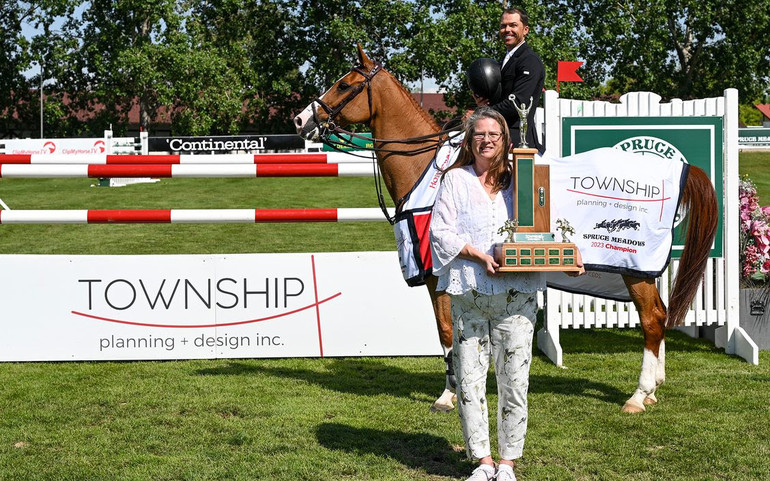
<point x="716" y="303"/>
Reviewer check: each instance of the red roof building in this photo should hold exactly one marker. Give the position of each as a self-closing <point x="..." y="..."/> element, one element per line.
<point x="765" y="109"/>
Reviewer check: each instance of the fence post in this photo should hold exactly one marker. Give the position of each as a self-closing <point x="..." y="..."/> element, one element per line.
<point x="731" y="336"/>
<point x="143" y="140"/>
<point x="548" y="337"/>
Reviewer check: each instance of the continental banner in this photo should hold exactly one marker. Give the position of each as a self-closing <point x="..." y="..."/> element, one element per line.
<point x="226" y="145"/>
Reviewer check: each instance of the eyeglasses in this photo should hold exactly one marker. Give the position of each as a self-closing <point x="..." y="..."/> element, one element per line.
<point x="493" y="136"/>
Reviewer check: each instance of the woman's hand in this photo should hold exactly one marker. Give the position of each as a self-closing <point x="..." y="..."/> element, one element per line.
<point x="486" y="260"/>
<point x="578" y="263"/>
<point x="491" y="265"/>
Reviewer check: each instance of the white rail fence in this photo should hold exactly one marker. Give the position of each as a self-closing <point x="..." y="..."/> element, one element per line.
<point x="716" y="304"/>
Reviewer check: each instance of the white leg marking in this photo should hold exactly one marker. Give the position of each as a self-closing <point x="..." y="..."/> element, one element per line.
<point x="646" y="383"/>
<point x="660" y="375"/>
<point x="444" y="403"/>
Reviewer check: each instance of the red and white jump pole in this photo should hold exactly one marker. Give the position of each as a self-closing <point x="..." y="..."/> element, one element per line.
<point x="103" y="159"/>
<point x="30" y="171"/>
<point x="189" y="216"/>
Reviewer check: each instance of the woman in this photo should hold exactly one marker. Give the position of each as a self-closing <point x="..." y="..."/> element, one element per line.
<point x="493" y="314"/>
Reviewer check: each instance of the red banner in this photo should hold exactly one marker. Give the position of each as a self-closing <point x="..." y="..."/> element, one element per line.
<point x="567" y="72"/>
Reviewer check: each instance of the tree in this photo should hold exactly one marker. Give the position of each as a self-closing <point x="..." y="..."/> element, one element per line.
<point x="676" y="48"/>
<point x="247" y="65"/>
<point x="327" y="34"/>
<point x="121" y="60"/>
<point x="460" y="31"/>
<point x="228" y="66"/>
<point x="14" y="86"/>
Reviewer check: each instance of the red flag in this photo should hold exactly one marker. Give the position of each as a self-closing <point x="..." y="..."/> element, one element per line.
<point x="567" y="72"/>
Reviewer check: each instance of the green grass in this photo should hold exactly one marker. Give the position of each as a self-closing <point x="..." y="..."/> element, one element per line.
<point x="347" y="419"/>
<point x="757" y="166"/>
<point x="368" y="418"/>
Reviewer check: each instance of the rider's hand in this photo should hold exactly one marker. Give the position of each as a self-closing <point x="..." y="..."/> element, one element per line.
<point x="480" y="101"/>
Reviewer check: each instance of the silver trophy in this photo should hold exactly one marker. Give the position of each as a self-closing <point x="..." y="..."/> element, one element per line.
<point x="523" y="112"/>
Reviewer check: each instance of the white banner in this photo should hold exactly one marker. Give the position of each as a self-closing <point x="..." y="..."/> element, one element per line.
<point x="86" y="146"/>
<point x="622" y="207"/>
<point x="55" y="146"/>
<point x="61" y="308"/>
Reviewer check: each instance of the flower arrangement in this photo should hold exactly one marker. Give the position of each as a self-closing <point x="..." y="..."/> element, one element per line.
<point x="754" y="237"/>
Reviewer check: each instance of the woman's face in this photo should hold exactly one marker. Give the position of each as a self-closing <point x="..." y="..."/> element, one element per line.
<point x="487" y="139"/>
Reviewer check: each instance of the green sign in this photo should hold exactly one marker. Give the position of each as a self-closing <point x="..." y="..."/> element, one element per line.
<point x="348" y="142"/>
<point x="695" y="140"/>
<point x="754" y="136"/>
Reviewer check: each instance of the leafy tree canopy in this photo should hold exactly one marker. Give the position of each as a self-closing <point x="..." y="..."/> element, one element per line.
<point x="223" y="66"/>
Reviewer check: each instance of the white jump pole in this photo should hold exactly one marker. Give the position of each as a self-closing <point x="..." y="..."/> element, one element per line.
<point x="30" y="171"/>
<point x="189" y="216"/>
<point x="101" y="159"/>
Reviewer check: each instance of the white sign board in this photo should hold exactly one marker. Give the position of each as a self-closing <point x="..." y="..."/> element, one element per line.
<point x="57" y="308"/>
<point x="89" y="146"/>
<point x="55" y="146"/>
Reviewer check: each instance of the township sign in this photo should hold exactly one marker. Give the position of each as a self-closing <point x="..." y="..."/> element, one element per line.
<point x="695" y="140"/>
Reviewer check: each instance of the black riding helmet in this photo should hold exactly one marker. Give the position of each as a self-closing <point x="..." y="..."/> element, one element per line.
<point x="484" y="79"/>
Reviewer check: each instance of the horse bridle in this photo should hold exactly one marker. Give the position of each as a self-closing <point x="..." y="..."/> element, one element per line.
<point x="329" y="125"/>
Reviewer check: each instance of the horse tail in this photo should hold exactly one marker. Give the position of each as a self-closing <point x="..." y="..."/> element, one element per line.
<point x="700" y="200"/>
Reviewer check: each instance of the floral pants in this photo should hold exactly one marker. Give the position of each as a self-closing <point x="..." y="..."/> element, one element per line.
<point x="500" y="327"/>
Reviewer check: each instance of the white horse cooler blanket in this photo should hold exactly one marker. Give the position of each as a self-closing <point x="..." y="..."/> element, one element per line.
<point x="622" y="206"/>
<point x="412" y="221"/>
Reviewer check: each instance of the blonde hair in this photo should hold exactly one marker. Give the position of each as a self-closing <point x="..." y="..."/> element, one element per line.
<point x="500" y="170"/>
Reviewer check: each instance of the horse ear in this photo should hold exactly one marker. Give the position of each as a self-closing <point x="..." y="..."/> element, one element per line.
<point x="363" y="60"/>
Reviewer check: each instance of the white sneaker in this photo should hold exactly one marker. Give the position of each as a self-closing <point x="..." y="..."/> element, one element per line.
<point x="505" y="473"/>
<point x="484" y="472"/>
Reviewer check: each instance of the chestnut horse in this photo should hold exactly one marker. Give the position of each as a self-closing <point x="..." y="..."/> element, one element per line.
<point x="370" y="95"/>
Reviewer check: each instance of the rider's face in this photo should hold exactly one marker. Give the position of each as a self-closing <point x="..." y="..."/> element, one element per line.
<point x="512" y="31"/>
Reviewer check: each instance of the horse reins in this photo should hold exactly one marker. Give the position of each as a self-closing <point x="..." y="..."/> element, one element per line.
<point x="328" y="127"/>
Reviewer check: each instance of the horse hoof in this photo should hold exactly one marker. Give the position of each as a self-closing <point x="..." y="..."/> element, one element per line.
<point x="632" y="408"/>
<point x="440" y="407"/>
<point x="445" y="402"/>
<point x="650" y="400"/>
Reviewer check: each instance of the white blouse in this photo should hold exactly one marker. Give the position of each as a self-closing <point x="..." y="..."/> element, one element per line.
<point x="464" y="214"/>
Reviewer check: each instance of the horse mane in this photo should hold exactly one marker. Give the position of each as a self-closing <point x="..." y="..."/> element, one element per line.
<point x="425" y="115"/>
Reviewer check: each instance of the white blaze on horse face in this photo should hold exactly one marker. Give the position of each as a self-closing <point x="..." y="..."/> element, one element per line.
<point x="301" y="121"/>
<point x="310" y="132"/>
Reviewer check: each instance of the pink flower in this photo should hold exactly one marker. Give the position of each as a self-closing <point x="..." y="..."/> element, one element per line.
<point x="754" y="234"/>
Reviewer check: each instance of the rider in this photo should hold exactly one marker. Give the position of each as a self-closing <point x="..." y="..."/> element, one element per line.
<point x="521" y="73"/>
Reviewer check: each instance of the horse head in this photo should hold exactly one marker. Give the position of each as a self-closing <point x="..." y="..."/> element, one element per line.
<point x="342" y="104"/>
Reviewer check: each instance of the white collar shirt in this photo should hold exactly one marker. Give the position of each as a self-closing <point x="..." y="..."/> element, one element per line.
<point x="465" y="214"/>
<point x="510" y="53"/>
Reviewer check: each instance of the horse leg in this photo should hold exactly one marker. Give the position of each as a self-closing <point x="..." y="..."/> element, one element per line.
<point x="660" y="373"/>
<point x="443" y="312"/>
<point x="652" y="314"/>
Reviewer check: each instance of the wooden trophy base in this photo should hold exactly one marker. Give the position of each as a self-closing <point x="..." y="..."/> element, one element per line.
<point x="536" y="256"/>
